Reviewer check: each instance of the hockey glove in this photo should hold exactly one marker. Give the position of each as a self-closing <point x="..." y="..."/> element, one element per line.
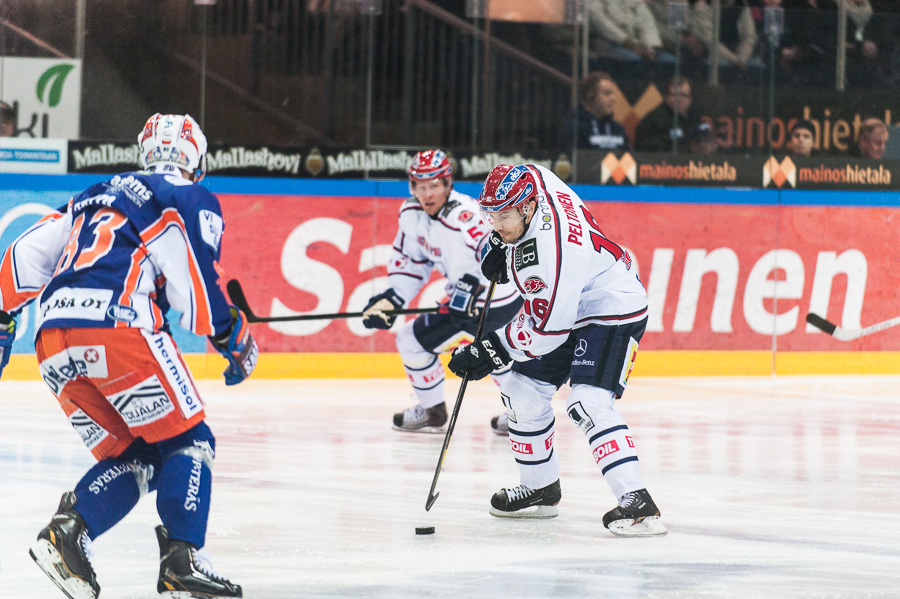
<point x="465" y="294"/>
<point x="373" y="314"/>
<point x="238" y="347"/>
<point x="479" y="358"/>
<point x="7" y="336"/>
<point x="493" y="258"/>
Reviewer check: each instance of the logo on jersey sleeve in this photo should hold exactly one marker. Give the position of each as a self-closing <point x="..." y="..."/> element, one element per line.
<point x="211" y="228"/>
<point x="534" y="285"/>
<point x="526" y="254"/>
<point x="465" y="216"/>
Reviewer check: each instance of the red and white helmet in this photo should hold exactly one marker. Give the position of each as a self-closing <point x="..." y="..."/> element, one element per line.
<point x="505" y="188"/>
<point x="430" y="164"/>
<point x="174" y="139"/>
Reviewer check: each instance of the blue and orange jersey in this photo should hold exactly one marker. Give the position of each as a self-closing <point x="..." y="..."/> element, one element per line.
<point x="120" y="254"/>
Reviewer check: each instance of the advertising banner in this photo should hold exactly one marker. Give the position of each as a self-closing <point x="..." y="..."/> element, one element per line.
<point x="719" y="277"/>
<point x="45" y="94"/>
<point x="35" y="156"/>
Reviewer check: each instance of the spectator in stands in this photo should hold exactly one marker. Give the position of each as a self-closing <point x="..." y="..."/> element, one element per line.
<point x="7" y="120"/>
<point x="702" y="139"/>
<point x="802" y="138"/>
<point x="737" y="32"/>
<point x="873" y="136"/>
<point x="592" y="122"/>
<point x="628" y="28"/>
<point x="664" y="128"/>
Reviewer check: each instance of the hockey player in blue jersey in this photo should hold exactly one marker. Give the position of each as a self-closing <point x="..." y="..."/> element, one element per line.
<point x="104" y="270"/>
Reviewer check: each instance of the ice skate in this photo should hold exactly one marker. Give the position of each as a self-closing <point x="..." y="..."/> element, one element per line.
<point x="635" y="516"/>
<point x="500" y="424"/>
<point x="522" y="502"/>
<point x="63" y="552"/>
<point x="422" y="420"/>
<point x="183" y="573"/>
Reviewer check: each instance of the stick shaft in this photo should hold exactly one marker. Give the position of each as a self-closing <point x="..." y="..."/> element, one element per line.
<point x="848" y="334"/>
<point x="451" y="424"/>
<point x="236" y="293"/>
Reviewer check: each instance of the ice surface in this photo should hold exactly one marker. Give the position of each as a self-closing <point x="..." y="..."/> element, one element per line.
<point x="770" y="487"/>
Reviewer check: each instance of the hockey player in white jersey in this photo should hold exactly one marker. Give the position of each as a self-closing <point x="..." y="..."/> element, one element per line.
<point x="104" y="271"/>
<point x="439" y="228"/>
<point x="585" y="312"/>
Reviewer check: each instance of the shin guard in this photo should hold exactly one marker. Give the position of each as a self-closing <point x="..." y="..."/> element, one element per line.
<point x="185" y="484"/>
<point x="612" y="447"/>
<point x="112" y="487"/>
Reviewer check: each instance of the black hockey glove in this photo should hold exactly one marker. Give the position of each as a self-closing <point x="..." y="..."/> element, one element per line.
<point x="493" y="258"/>
<point x="465" y="294"/>
<point x="7" y="336"/>
<point x="373" y="314"/>
<point x="479" y="358"/>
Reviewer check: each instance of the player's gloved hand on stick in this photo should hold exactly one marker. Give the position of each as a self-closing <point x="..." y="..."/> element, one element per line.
<point x="479" y="358"/>
<point x="7" y="336"/>
<point x="238" y="347"/>
<point x="493" y="258"/>
<point x="465" y="294"/>
<point x="374" y="316"/>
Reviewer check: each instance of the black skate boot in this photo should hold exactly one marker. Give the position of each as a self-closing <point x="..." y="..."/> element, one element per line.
<point x="635" y="516"/>
<point x="63" y="552"/>
<point x="183" y="575"/>
<point x="422" y="420"/>
<point x="500" y="424"/>
<point x="522" y="502"/>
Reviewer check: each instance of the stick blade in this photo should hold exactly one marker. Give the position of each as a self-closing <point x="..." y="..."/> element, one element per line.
<point x="236" y="293"/>
<point x="820" y="323"/>
<point x="431" y="500"/>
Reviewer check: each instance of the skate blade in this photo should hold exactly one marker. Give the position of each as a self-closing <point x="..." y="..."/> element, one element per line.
<point x="648" y="527"/>
<point x="50" y="561"/>
<point x="534" y="512"/>
<point x="431" y="430"/>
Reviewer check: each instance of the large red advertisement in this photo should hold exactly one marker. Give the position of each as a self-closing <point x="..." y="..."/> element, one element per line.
<point x="719" y="277"/>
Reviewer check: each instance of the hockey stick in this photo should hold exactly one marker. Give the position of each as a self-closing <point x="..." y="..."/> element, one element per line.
<point x="432" y="496"/>
<point x="848" y="334"/>
<point x="236" y="292"/>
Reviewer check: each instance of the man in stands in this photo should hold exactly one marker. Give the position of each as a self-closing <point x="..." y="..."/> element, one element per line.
<point x="802" y="138"/>
<point x="873" y="136"/>
<point x="592" y="126"/>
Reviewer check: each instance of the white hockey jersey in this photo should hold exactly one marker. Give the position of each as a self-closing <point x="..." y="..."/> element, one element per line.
<point x="569" y="273"/>
<point x="120" y="254"/>
<point x="451" y="242"/>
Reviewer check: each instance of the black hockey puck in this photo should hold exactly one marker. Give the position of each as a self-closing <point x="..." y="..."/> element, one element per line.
<point x="425" y="530"/>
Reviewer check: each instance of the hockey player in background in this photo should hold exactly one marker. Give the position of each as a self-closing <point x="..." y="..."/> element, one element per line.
<point x="584" y="314"/>
<point x="104" y="270"/>
<point x="438" y="228"/>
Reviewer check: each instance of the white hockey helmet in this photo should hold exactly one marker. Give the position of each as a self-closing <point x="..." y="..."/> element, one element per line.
<point x="174" y="139"/>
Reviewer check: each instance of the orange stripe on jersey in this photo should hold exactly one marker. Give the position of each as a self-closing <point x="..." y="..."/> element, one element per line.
<point x="202" y="324"/>
<point x="11" y="297"/>
<point x="131" y="281"/>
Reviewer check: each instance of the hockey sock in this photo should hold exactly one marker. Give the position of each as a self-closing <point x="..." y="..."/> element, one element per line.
<point x="427" y="382"/>
<point x="112" y="487"/>
<point x="185" y="484"/>
<point x="612" y="447"/>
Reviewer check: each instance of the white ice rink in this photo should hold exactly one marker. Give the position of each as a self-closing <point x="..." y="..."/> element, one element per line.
<point x="782" y="487"/>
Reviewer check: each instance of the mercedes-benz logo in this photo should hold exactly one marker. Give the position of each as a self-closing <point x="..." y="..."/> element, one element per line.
<point x="582" y="347"/>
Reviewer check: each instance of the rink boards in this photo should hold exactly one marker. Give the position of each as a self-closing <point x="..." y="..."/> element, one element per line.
<point x="730" y="273"/>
